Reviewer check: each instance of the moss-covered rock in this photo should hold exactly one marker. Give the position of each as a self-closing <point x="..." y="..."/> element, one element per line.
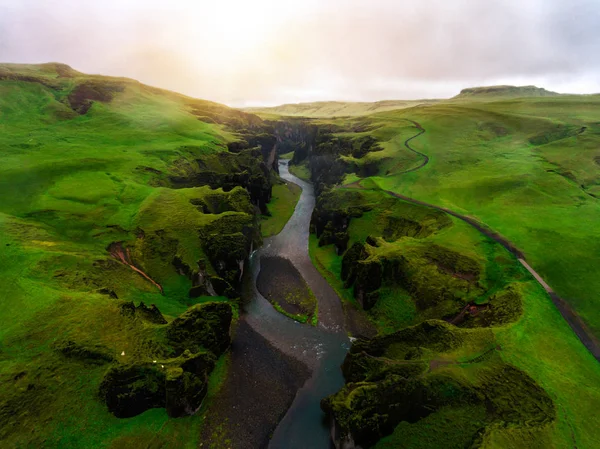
<point x="129" y="390"/>
<point x="433" y="335"/>
<point x="335" y="209"/>
<point x="453" y="262"/>
<point x="361" y="366"/>
<point x="178" y="384"/>
<point x="150" y="314"/>
<point x="351" y="257"/>
<point x="203" y="326"/>
<point x="406" y="376"/>
<point x="368" y="280"/>
<point x="222" y="287"/>
<point x="186" y="384"/>
<point x="228" y="241"/>
<point x="366" y="411"/>
<point x="502" y="308"/>
<point x="218" y="202"/>
<point x="246" y="168"/>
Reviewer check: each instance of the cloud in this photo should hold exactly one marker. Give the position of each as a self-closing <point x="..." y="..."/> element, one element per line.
<point x="268" y="51"/>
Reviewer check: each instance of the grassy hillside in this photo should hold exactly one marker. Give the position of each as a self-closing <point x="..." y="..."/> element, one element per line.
<point x="331" y="109"/>
<point x="525" y="167"/>
<point x="107" y="196"/>
<point x="445" y="268"/>
<point x="336" y="108"/>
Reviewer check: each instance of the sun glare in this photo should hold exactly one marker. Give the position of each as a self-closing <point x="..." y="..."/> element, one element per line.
<point x="236" y="27"/>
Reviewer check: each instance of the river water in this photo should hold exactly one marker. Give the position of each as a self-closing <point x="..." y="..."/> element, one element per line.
<point x="321" y="348"/>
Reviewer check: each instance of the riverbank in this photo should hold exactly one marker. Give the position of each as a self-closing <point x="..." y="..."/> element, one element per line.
<point x="261" y="384"/>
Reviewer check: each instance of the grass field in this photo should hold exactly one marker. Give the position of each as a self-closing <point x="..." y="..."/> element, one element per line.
<point x="301" y="171"/>
<point x="526" y="168"/>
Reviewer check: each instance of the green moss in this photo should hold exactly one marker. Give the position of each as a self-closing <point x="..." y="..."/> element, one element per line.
<point x="286" y="155"/>
<point x="450" y="427"/>
<point x="281" y="207"/>
<point x="297" y="317"/>
<point x="413" y="373"/>
<point x="301" y="171"/>
<point x="503" y="308"/>
<point x="203" y="326"/>
<point x="453" y="261"/>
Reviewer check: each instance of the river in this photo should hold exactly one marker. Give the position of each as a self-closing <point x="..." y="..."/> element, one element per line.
<point x="321" y="348"/>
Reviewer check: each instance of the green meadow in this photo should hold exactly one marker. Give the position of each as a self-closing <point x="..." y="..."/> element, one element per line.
<point x="320" y="109"/>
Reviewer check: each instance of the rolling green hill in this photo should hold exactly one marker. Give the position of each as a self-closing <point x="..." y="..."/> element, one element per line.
<point x="125" y="211"/>
<point x="331" y="109"/>
<point x="114" y="194"/>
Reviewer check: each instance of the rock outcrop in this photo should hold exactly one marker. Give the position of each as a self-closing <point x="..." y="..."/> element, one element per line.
<point x="178" y="384"/>
<point x="203" y="326"/>
<point x="228" y="170"/>
<point x="397" y="378"/>
<point x="147" y="313"/>
<point x="195" y="340"/>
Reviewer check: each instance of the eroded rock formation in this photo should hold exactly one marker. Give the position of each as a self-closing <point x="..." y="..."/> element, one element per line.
<point x="178" y="383"/>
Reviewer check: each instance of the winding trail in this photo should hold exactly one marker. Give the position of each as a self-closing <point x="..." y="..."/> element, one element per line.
<point x="573" y="320"/>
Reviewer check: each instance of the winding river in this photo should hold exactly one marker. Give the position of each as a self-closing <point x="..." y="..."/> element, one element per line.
<point x="321" y="348"/>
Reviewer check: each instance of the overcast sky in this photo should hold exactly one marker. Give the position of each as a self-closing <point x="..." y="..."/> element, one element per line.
<point x="245" y="52"/>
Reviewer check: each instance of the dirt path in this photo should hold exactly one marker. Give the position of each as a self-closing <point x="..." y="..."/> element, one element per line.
<point x="573" y="320"/>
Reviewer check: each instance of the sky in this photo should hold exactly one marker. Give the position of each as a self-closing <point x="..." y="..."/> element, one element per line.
<point x="269" y="52"/>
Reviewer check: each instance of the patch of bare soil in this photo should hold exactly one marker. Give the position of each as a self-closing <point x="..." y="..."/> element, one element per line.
<point x="471" y="309"/>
